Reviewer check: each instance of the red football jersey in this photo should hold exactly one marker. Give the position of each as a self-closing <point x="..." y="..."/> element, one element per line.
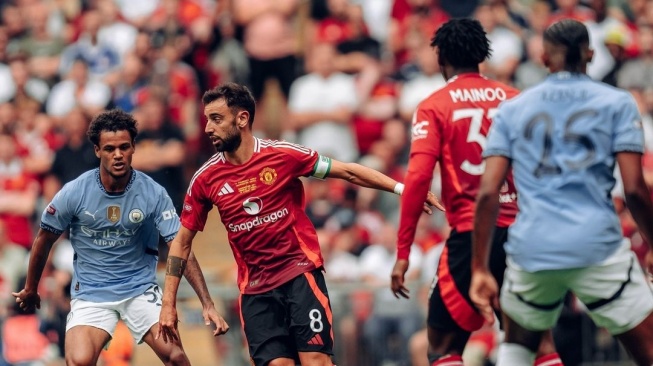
<point x="450" y="127"/>
<point x="261" y="204"/>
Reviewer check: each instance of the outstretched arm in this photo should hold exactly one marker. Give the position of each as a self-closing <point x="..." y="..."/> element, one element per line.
<point x="28" y="298"/>
<point x="370" y="178"/>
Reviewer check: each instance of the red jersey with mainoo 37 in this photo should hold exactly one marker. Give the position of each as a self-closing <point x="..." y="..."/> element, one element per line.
<point x="261" y="204"/>
<point x="452" y="125"/>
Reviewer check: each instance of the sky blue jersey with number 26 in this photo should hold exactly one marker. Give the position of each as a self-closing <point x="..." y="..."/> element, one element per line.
<point x="562" y="136"/>
<point x="115" y="237"/>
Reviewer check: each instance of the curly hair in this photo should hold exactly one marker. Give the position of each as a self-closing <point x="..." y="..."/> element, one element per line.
<point x="571" y="34"/>
<point x="462" y="43"/>
<point x="112" y="120"/>
<point x="236" y="96"/>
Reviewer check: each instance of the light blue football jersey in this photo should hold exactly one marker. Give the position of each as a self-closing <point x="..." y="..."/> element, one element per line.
<point x="115" y="237"/>
<point x="562" y="136"/>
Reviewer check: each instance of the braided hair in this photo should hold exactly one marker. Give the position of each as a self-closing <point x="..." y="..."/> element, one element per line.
<point x="571" y="34"/>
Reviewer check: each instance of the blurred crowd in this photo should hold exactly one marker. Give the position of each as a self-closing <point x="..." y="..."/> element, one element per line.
<point x="340" y="76"/>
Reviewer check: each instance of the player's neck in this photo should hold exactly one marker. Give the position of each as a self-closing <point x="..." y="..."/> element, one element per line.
<point x="459" y="71"/>
<point x="243" y="153"/>
<point x="112" y="184"/>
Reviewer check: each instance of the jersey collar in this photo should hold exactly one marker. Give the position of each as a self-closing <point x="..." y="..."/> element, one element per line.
<point x="566" y="75"/>
<point x="99" y="182"/>
<point x="465" y="75"/>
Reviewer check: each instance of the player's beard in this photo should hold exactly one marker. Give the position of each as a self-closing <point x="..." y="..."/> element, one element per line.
<point x="230" y="142"/>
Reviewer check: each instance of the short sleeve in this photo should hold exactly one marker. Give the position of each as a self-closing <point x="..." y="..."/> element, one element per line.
<point x="498" y="140"/>
<point x="165" y="216"/>
<point x="628" y="134"/>
<point x="196" y="206"/>
<point x="59" y="213"/>
<point x="425" y="132"/>
<point x="302" y="161"/>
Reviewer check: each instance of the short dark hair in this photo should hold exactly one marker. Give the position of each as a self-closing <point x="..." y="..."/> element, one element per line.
<point x="111" y="120"/>
<point x="236" y="96"/>
<point x="462" y="43"/>
<point x="571" y="34"/>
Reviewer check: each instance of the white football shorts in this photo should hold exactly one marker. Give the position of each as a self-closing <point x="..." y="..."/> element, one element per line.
<point x="615" y="292"/>
<point x="139" y="313"/>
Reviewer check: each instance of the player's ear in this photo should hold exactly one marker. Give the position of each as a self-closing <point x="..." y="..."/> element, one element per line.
<point x="243" y="119"/>
<point x="590" y="55"/>
<point x="97" y="151"/>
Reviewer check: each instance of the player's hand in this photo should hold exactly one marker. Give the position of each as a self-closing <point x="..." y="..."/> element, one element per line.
<point x="210" y="314"/>
<point x="432" y="201"/>
<point x="27" y="300"/>
<point x="168" y="324"/>
<point x="397" y="278"/>
<point x="649" y="264"/>
<point x="484" y="293"/>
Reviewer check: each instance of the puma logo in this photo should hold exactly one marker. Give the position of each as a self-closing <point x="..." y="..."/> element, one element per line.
<point x="91" y="214"/>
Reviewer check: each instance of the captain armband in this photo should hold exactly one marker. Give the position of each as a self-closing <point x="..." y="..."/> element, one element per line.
<point x="322" y="167"/>
<point x="175" y="266"/>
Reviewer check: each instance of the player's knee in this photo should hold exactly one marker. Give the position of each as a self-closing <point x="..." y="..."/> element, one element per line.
<point x="176" y="357"/>
<point x="418" y="344"/>
<point x="315" y="359"/>
<point x="282" y="362"/>
<point x="446" y="342"/>
<point x="547" y="344"/>
<point x="80" y="358"/>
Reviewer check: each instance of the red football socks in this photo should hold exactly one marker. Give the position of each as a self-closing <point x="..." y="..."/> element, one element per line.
<point x="449" y="360"/>
<point x="552" y="359"/>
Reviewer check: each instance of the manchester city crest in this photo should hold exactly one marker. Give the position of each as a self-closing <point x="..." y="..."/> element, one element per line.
<point x="136" y="216"/>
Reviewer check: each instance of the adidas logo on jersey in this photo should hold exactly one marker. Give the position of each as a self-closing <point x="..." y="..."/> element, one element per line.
<point x="226" y="189"/>
<point x="316" y="341"/>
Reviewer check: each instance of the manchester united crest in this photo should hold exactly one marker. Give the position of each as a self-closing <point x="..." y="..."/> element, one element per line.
<point x="268" y="176"/>
<point x="113" y="213"/>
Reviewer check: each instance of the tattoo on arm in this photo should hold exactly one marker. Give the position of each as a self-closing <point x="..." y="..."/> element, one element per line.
<point x="175" y="266"/>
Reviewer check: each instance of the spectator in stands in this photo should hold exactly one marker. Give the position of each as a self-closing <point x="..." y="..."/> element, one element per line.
<point x="102" y="59"/>
<point x="177" y="80"/>
<point x="132" y="85"/>
<point x="75" y="157"/>
<point x="599" y="27"/>
<point x="12" y="267"/>
<point x="35" y="137"/>
<point x="14" y="22"/>
<point x="160" y="148"/>
<point x="25" y="337"/>
<point x="118" y="34"/>
<point x="571" y="9"/>
<point x="421" y="83"/>
<point x="505" y="44"/>
<point x="389" y="317"/>
<point x="78" y="89"/>
<point x="18" y="194"/>
<point x="616" y="43"/>
<point x="270" y="43"/>
<point x="413" y="27"/>
<point x="532" y="71"/>
<point x="25" y="84"/>
<point x="638" y="73"/>
<point x="321" y="105"/>
<point x="42" y="47"/>
<point x="376" y="108"/>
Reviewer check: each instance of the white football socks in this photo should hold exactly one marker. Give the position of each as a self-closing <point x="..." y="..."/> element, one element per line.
<point x="511" y="354"/>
